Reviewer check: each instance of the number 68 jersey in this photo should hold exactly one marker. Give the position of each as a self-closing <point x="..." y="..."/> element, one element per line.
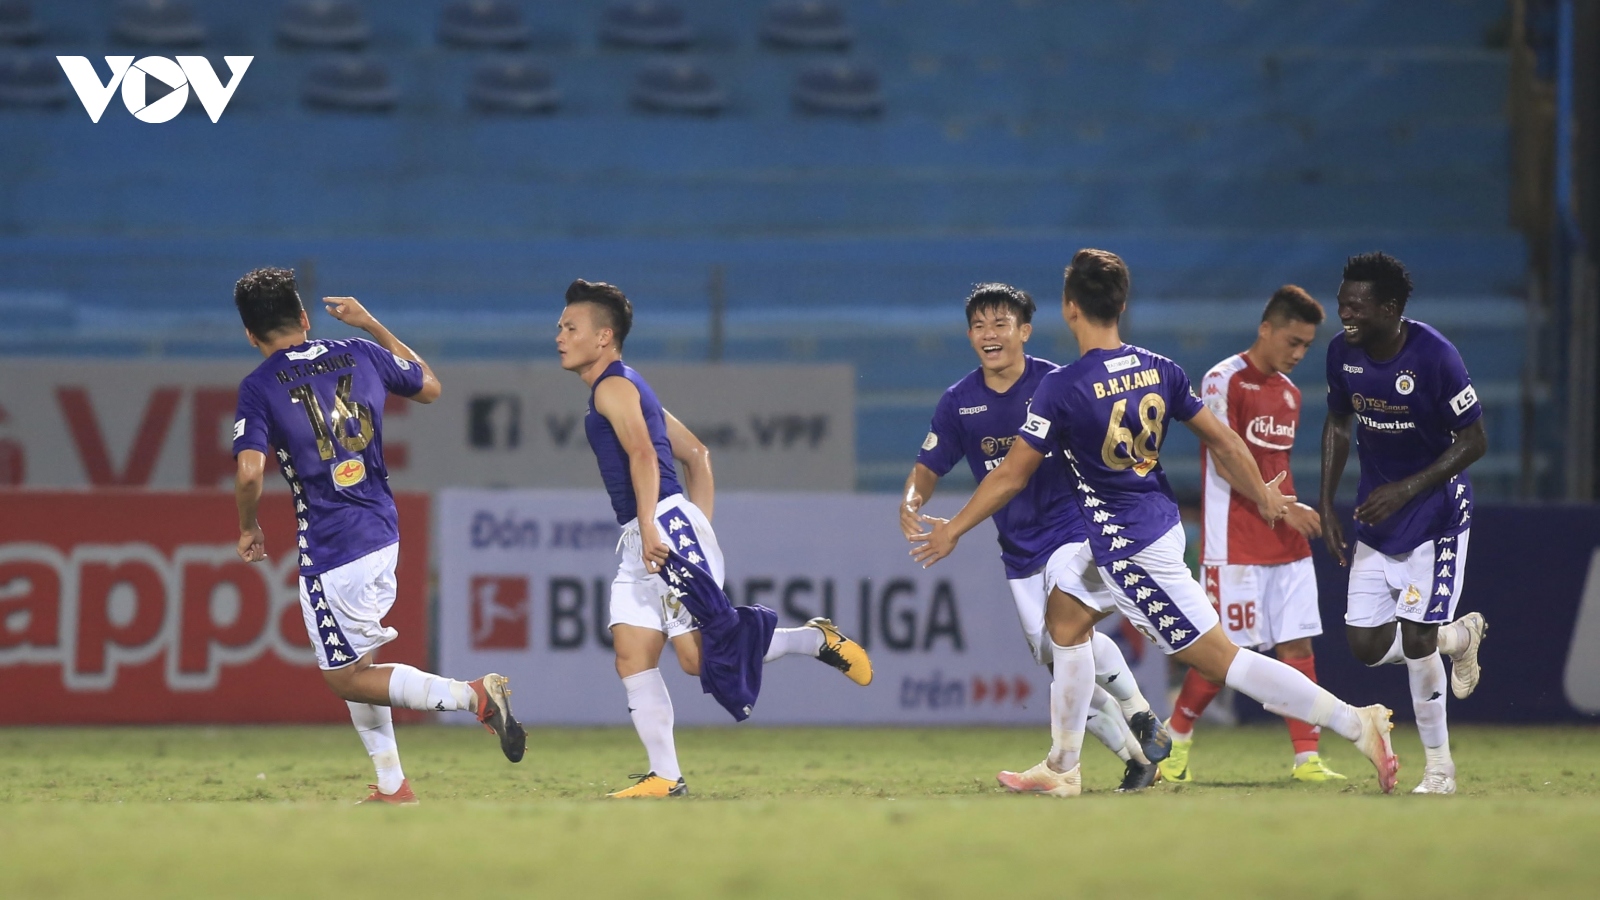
<point x="319" y="408"/>
<point x="1108" y="413"/>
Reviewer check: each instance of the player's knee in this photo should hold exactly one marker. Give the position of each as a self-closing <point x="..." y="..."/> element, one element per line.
<point x="341" y="682"/>
<point x="1299" y="649"/>
<point x="1368" y="645"/>
<point x="690" y="663"/>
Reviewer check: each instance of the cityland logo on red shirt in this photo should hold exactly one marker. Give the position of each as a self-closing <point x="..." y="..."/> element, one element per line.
<point x="133" y="77"/>
<point x="1264" y="431"/>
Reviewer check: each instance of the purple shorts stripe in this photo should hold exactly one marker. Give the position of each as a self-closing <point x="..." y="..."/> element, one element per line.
<point x="1163" y="614"/>
<point x="1446" y="568"/>
<point x="335" y="648"/>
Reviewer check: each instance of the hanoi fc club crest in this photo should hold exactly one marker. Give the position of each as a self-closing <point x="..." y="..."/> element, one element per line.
<point x="1405" y="383"/>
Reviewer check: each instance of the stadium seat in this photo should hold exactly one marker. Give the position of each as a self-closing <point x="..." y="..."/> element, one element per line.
<point x="169" y="23"/>
<point x="353" y="84"/>
<point x="324" y="23"/>
<point x="513" y="86"/>
<point x="17" y="22"/>
<point x="678" y="87"/>
<point x="806" y="25"/>
<point x="841" y="88"/>
<point x="651" y="24"/>
<point x="31" y="81"/>
<point x="482" y="23"/>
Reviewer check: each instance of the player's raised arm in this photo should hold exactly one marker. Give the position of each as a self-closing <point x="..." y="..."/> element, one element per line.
<point x="247" y="486"/>
<point x="1238" y="467"/>
<point x="994" y="491"/>
<point x="618" y="401"/>
<point x="696" y="459"/>
<point x="919" y="488"/>
<point x="350" y="311"/>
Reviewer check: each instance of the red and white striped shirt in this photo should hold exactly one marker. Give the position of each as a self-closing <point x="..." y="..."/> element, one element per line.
<point x="1264" y="410"/>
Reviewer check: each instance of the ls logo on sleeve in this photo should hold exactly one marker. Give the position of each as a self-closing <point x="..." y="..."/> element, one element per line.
<point x="1037" y="425"/>
<point x="1463" y="401"/>
<point x="238" y="429"/>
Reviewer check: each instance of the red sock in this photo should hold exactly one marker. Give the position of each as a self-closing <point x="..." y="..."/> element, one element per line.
<point x="1196" y="695"/>
<point x="1303" y="736"/>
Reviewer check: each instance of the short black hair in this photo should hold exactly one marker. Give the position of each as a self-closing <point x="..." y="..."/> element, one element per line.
<point x="618" y="311"/>
<point x="1292" y="302"/>
<point x="1387" y="275"/>
<point x="994" y="295"/>
<point x="268" y="301"/>
<point x="1097" y="280"/>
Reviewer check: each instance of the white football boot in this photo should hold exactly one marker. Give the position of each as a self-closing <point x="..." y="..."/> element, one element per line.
<point x="1041" y="779"/>
<point x="1441" y="780"/>
<point x="1464" y="668"/>
<point x="1376" y="723"/>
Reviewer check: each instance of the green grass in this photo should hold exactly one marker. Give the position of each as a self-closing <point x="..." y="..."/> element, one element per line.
<point x="266" y="812"/>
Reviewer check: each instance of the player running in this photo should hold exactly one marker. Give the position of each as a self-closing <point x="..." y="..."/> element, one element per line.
<point x="320" y="404"/>
<point x="1108" y="414"/>
<point x="1421" y="426"/>
<point x="669" y="583"/>
<point x="978" y="417"/>
<point x="1258" y="576"/>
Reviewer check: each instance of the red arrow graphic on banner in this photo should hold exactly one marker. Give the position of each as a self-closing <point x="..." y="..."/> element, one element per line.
<point x="1023" y="689"/>
<point x="1001" y="690"/>
<point x="980" y="690"/>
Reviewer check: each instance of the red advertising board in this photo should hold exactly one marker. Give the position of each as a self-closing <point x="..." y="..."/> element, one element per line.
<point x="126" y="606"/>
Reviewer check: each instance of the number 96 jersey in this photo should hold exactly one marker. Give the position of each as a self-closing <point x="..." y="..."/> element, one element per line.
<point x="1109" y="413"/>
<point x="318" y="408"/>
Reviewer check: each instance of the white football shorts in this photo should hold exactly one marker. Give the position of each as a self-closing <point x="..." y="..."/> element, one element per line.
<point x="1156" y="591"/>
<point x="1030" y="595"/>
<point x="641" y="599"/>
<point x="344" y="607"/>
<point x="1420" y="586"/>
<point x="1071" y="569"/>
<point x="1262" y="606"/>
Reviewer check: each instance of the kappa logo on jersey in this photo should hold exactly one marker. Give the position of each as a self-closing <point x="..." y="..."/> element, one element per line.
<point x="134" y="77"/>
<point x="1265" y="432"/>
<point x="1463" y="401"/>
<point x="349" y="473"/>
<point x="972" y="410"/>
<point x="1353" y="370"/>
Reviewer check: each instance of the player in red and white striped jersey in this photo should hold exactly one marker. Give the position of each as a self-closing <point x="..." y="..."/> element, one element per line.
<point x="1259" y="576"/>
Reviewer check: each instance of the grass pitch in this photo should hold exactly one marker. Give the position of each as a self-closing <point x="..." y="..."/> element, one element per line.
<point x="266" y="812"/>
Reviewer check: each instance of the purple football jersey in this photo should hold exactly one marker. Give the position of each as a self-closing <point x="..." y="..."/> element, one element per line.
<point x="974" y="421"/>
<point x="1407" y="411"/>
<point x="319" y="407"/>
<point x="1109" y="413"/>
<point x="615" y="471"/>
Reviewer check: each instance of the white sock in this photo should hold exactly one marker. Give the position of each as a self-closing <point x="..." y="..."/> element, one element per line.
<point x="375" y="726"/>
<point x="1284" y="691"/>
<point x="1303" y="758"/>
<point x="804" y="641"/>
<point x="651" y="708"/>
<point x="1453" y="638"/>
<point x="1396" y="655"/>
<point x="1106" y="724"/>
<point x="1112" y="673"/>
<point x="1071" y="689"/>
<point x="412" y="688"/>
<point x="1427" y="702"/>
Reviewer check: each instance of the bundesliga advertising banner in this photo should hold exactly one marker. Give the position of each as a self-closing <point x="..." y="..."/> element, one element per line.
<point x="133" y="607"/>
<point x="163" y="425"/>
<point x="525" y="579"/>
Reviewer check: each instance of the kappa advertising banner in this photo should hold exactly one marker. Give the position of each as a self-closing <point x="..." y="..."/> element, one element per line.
<point x="524" y="587"/>
<point x="169" y="425"/>
<point x="132" y="607"/>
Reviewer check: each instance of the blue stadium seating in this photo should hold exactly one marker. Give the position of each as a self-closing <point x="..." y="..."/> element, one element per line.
<point x="1223" y="147"/>
<point x="31" y="80"/>
<point x="158" y="23"/>
<point x="483" y="23"/>
<point x="324" y="23"/>
<point x="18" y="24"/>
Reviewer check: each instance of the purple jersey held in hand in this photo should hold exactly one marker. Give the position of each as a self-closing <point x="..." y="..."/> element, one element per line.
<point x="974" y="421"/>
<point x="319" y="407"/>
<point x="1407" y="411"/>
<point x="1109" y="413"/>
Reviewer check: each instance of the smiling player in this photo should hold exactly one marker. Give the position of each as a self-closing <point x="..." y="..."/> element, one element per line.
<point x="1420" y="427"/>
<point x="978" y="417"/>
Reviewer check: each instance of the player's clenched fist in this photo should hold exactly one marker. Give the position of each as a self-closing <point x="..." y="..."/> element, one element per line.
<point x="252" y="545"/>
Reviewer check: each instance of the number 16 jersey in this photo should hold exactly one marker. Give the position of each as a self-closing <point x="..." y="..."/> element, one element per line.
<point x="1108" y="412"/>
<point x="319" y="407"/>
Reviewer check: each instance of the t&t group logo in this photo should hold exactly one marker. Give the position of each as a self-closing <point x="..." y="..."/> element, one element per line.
<point x="134" y="78"/>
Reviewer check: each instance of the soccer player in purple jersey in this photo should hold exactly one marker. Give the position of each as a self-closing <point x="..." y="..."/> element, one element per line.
<point x="319" y="406"/>
<point x="1108" y="414"/>
<point x="978" y="418"/>
<point x="669" y="583"/>
<point x="1419" y="426"/>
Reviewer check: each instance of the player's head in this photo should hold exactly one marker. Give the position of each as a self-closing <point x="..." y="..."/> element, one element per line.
<point x="1372" y="297"/>
<point x="269" y="305"/>
<point x="999" y="322"/>
<point x="596" y="322"/>
<point x="1288" y="327"/>
<point x="1096" y="288"/>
